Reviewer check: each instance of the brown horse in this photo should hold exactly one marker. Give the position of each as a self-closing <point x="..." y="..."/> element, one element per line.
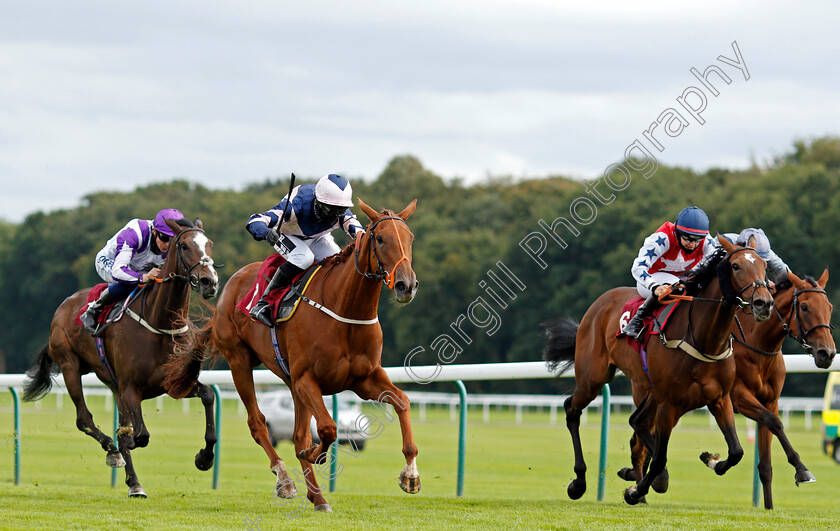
<point x="136" y="350"/>
<point x="673" y="382"/>
<point x="325" y="356"/>
<point x="803" y="312"/>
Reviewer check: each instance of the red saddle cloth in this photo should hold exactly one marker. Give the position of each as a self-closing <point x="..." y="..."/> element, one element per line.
<point x="629" y="310"/>
<point x="93" y="295"/>
<point x="264" y="275"/>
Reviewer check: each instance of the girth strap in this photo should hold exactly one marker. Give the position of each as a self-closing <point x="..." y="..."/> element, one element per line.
<point x="152" y="329"/>
<point x="693" y="352"/>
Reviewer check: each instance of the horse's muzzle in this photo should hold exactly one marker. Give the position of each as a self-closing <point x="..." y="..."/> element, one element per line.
<point x="404" y="291"/>
<point x="762" y="308"/>
<point x="208" y="287"/>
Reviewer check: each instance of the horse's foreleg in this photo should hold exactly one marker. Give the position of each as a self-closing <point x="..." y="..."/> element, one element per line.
<point x="307" y="454"/>
<point x="309" y="401"/>
<point x="84" y="419"/>
<point x="380" y="388"/>
<point x="204" y="457"/>
<point x="134" y="410"/>
<point x="243" y="378"/>
<point x="725" y="416"/>
<point x="642" y="422"/>
<point x="665" y="420"/>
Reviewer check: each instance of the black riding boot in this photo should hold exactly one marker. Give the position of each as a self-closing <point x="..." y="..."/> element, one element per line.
<point x="636" y="325"/>
<point x="91" y="316"/>
<point x="262" y="310"/>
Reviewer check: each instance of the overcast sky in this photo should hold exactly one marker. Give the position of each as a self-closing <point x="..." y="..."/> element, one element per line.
<point x="104" y="95"/>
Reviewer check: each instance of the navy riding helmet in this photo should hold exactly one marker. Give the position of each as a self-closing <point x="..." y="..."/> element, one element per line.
<point x="692" y="223"/>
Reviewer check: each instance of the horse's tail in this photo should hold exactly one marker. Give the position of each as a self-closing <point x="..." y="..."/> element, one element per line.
<point x="39" y="376"/>
<point x="559" y="351"/>
<point x="182" y="369"/>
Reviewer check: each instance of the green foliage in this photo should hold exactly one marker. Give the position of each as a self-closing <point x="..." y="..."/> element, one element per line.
<point x="461" y="233"/>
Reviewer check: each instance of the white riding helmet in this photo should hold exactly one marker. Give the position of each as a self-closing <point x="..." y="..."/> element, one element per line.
<point x="334" y="190"/>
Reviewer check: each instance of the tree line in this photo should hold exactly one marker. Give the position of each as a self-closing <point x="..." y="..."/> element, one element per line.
<point x="494" y="259"/>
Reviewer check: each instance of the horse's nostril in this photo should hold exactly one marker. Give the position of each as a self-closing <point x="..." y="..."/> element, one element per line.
<point x="400" y="286"/>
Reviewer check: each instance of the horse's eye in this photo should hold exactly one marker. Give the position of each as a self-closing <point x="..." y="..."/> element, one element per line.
<point x="379" y="239"/>
<point x="185" y="247"/>
<point x="804" y="307"/>
<point x="735" y="267"/>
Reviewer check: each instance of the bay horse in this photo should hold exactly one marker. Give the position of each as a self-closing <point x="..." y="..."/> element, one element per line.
<point x="136" y="350"/>
<point x="802" y="311"/>
<point x="673" y="381"/>
<point x="324" y="354"/>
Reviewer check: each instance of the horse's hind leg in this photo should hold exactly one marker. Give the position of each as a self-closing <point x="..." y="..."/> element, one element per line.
<point x="84" y="419"/>
<point x="243" y="378"/>
<point x="380" y="388"/>
<point x="204" y="457"/>
<point x="308" y="453"/>
<point x="574" y="406"/>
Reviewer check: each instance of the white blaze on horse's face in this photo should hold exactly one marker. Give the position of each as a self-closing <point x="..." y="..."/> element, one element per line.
<point x="749" y="257"/>
<point x="202" y="242"/>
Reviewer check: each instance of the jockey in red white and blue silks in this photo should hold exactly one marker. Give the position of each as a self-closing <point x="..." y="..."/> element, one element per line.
<point x="671" y="251"/>
<point x="133" y="255"/>
<point x="305" y="234"/>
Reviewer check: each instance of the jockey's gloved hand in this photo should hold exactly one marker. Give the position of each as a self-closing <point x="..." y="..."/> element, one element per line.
<point x="272" y="237"/>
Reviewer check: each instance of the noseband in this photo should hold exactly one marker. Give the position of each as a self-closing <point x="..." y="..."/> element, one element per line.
<point x="387" y="277"/>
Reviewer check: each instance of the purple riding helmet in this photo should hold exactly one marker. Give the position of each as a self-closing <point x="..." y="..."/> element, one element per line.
<point x="166" y="213"/>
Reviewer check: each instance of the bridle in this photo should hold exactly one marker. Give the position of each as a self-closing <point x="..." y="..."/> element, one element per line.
<point x="189" y="276"/>
<point x="738" y="299"/>
<point x="387" y="277"/>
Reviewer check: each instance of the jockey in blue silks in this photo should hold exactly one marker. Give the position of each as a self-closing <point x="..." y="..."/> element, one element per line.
<point x="305" y="231"/>
<point x="132" y="256"/>
<point x="671" y="251"/>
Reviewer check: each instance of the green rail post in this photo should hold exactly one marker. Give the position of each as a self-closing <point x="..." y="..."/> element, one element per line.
<point x="334" y="445"/>
<point x="605" y="438"/>
<point x="218" y="446"/>
<point x="16" y="400"/>
<point x="756" y="481"/>
<point x="116" y="427"/>
<point x="462" y="437"/>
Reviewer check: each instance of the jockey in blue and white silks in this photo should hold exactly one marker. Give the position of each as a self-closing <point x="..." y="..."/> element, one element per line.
<point x="671" y="251"/>
<point x="133" y="255"/>
<point x="305" y="234"/>
<point x="756" y="239"/>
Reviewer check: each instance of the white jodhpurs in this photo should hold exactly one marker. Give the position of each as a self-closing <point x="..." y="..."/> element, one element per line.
<point x="304" y="253"/>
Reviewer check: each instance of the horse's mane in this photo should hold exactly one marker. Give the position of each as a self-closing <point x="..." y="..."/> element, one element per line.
<point x="345" y="253"/>
<point x="704" y="274"/>
<point x="786" y="284"/>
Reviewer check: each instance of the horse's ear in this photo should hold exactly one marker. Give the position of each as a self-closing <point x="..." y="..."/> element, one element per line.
<point x="369" y="212"/>
<point x="407" y="211"/>
<point x="726" y="244"/>
<point x="796" y="281"/>
<point x="823" y="279"/>
<point x="198" y="224"/>
<point x="174" y="226"/>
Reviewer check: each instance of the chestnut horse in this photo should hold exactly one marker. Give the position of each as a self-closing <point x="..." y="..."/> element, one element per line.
<point x="325" y="355"/>
<point x="673" y="381"/>
<point x="136" y="350"/>
<point x="802" y="311"/>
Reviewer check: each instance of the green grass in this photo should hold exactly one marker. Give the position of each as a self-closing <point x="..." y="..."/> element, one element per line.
<point x="516" y="477"/>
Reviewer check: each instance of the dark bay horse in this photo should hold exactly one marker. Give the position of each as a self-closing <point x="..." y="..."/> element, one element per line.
<point x="136" y="350"/>
<point x="674" y="381"/>
<point x="325" y="356"/>
<point x="803" y="312"/>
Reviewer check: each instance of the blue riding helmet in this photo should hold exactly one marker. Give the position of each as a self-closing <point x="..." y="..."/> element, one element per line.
<point x="692" y="223"/>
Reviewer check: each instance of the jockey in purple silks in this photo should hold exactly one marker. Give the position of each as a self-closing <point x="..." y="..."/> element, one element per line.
<point x="306" y="221"/>
<point x="671" y="251"/>
<point x="132" y="256"/>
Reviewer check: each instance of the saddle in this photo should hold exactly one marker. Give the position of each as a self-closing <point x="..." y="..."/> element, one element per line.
<point x="283" y="301"/>
<point x="105" y="317"/>
<point x="654" y="324"/>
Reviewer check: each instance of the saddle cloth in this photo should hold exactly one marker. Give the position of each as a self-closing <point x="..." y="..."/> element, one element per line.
<point x="93" y="295"/>
<point x="653" y="324"/>
<point x="283" y="301"/>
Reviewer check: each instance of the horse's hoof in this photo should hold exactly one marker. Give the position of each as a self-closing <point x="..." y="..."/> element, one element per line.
<point x="204" y="460"/>
<point x="285" y="489"/>
<point x="137" y="492"/>
<point x="141" y="441"/>
<point x="324" y="508"/>
<point x="805" y="477"/>
<point x="661" y="482"/>
<point x="115" y="460"/>
<point x="710" y="459"/>
<point x="627" y="474"/>
<point x="576" y="489"/>
<point x="631" y="496"/>
<point x="408" y="484"/>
